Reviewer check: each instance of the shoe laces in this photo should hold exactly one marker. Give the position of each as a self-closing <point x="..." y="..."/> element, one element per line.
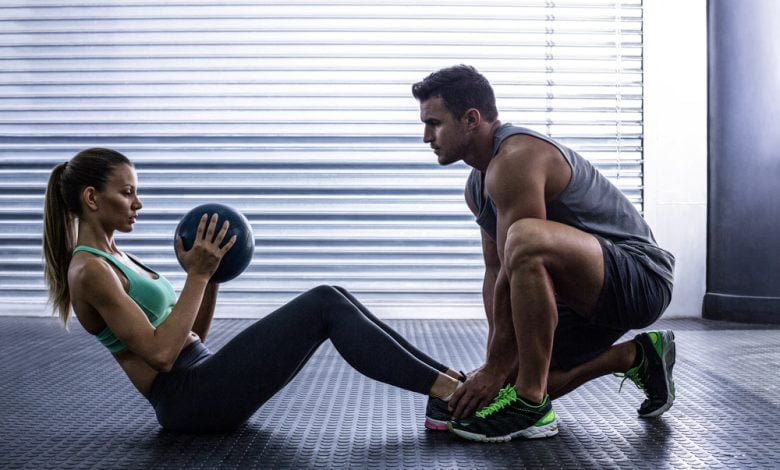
<point x="634" y="375"/>
<point x="505" y="396"/>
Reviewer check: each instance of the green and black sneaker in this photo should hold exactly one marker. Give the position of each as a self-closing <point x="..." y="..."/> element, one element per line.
<point x="653" y="375"/>
<point x="508" y="417"/>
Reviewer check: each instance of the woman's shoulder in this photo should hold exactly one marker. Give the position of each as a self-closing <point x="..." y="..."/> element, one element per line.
<point x="87" y="277"/>
<point x="91" y="273"/>
<point x="83" y="264"/>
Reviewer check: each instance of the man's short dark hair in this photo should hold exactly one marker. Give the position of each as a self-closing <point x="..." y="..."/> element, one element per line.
<point x="461" y="87"/>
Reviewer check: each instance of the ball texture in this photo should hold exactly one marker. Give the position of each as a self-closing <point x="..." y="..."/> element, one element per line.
<point x="240" y="254"/>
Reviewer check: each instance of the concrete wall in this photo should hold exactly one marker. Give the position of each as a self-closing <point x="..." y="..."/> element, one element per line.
<point x="743" y="260"/>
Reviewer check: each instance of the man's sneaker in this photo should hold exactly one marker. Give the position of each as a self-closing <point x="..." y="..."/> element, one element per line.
<point x="508" y="417"/>
<point x="653" y="375"/>
<point x="437" y="411"/>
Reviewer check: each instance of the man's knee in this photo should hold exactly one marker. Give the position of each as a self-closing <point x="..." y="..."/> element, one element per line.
<point x="528" y="244"/>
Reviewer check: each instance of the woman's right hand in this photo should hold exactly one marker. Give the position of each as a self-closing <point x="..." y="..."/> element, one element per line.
<point x="206" y="252"/>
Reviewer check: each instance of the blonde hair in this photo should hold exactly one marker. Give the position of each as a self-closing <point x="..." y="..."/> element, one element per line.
<point x="62" y="206"/>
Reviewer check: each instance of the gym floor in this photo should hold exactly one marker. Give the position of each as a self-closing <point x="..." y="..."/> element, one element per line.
<point x="66" y="404"/>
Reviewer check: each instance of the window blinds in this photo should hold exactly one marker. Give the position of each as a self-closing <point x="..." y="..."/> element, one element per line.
<point x="299" y="113"/>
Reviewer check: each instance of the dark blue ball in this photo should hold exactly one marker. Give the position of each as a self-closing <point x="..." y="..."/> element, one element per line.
<point x="239" y="256"/>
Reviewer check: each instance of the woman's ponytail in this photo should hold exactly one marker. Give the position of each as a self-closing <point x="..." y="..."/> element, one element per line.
<point x="59" y="238"/>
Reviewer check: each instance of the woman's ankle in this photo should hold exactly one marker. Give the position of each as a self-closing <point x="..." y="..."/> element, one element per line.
<point x="454" y="374"/>
<point x="444" y="386"/>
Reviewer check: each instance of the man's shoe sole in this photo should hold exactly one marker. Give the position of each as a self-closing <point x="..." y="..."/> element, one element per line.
<point x="533" y="432"/>
<point x="668" y="357"/>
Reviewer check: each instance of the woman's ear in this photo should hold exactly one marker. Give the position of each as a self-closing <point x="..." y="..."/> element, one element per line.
<point x="89" y="197"/>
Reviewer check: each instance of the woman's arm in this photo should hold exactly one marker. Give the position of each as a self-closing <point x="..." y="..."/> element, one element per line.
<point x="159" y="346"/>
<point x="206" y="311"/>
<point x="100" y="286"/>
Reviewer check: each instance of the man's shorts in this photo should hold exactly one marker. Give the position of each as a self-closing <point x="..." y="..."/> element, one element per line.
<point x="632" y="297"/>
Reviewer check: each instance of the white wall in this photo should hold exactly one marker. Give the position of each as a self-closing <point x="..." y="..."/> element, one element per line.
<point x="675" y="153"/>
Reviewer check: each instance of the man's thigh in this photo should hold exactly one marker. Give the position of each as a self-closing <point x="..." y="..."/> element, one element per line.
<point x="573" y="258"/>
<point x="632" y="296"/>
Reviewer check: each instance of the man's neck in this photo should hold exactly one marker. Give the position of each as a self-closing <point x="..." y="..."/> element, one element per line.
<point x="482" y="151"/>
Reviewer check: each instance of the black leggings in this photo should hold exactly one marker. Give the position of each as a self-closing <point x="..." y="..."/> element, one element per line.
<point x="207" y="392"/>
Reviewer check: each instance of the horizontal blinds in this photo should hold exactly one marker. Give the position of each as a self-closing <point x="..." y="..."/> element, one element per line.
<point x="299" y="113"/>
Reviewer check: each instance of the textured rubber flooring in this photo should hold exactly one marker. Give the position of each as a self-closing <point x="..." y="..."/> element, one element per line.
<point x="64" y="403"/>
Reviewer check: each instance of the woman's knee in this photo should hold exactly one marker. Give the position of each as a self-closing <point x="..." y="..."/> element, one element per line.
<point x="342" y="290"/>
<point x="324" y="292"/>
<point x="330" y="300"/>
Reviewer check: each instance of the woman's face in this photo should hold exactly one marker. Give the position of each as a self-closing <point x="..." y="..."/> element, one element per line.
<point x="118" y="203"/>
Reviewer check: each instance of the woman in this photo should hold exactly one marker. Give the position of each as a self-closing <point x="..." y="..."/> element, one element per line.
<point x="158" y="339"/>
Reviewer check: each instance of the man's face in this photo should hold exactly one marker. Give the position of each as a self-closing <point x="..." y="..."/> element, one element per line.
<point x="446" y="135"/>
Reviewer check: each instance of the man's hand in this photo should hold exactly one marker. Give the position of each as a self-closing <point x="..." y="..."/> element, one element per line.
<point x="481" y="386"/>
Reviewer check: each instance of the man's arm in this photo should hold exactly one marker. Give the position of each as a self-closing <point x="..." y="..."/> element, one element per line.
<point x="501" y="358"/>
<point x="501" y="352"/>
<point x="483" y="384"/>
<point x="516" y="182"/>
<point x="502" y="348"/>
<point x="492" y="267"/>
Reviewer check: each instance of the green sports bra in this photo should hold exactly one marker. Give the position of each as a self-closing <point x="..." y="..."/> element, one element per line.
<point x="155" y="296"/>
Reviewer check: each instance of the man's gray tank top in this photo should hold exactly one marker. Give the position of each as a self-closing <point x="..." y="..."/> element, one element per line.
<point x="589" y="203"/>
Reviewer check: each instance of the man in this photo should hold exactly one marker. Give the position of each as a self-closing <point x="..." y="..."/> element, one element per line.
<point x="570" y="266"/>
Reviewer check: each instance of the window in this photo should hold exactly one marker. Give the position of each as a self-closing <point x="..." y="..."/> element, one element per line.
<point x="299" y="113"/>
